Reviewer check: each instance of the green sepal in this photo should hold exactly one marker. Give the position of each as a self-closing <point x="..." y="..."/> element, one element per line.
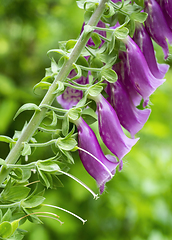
<point x="65" y="125"/>
<point x="87" y="29"/>
<point x="109" y="75"/>
<point x="60" y="88"/>
<point x="47" y="166"/>
<point x="32" y="202"/>
<point x="78" y="71"/>
<point x="95" y="90"/>
<point x="6" y="139"/>
<point x="74" y="113"/>
<point x="5" y="229"/>
<point x="66" y="143"/>
<point x="26" y="149"/>
<point x="139" y="2"/>
<point x="27" y="106"/>
<point x="139" y="17"/>
<point x="7" y="216"/>
<point x="89" y="116"/>
<point x="96" y="39"/>
<point x="121" y="33"/>
<point x="70" y="44"/>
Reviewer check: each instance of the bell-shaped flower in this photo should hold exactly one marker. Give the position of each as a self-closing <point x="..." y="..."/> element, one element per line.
<point x="121" y="69"/>
<point x="140" y="75"/>
<point x="157" y="26"/>
<point x="72" y="96"/>
<point x="130" y="117"/>
<point x="144" y="42"/>
<point x="102" y="168"/>
<point x="166" y="6"/>
<point x="110" y="129"/>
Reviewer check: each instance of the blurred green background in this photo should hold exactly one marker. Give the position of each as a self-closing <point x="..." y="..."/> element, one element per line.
<point x="137" y="204"/>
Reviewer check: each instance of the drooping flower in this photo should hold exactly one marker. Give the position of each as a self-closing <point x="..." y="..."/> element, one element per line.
<point x="110" y="129"/>
<point x="157" y="26"/>
<point x="166" y="7"/>
<point x="130" y="117"/>
<point x="71" y="96"/>
<point x="121" y="69"/>
<point x="137" y="68"/>
<point x="144" y="42"/>
<point x="102" y="168"/>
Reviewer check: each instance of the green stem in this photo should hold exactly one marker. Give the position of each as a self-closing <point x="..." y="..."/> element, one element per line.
<point x="48" y="99"/>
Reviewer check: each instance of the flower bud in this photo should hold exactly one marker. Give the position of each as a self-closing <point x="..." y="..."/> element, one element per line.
<point x="100" y="167"/>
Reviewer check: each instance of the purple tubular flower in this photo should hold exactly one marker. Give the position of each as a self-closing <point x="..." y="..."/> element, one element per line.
<point x="144" y="42"/>
<point x="110" y="129"/>
<point x="130" y="117"/>
<point x="121" y="69"/>
<point x="102" y="168"/>
<point x="71" y="96"/>
<point x="157" y="26"/>
<point x="140" y="75"/>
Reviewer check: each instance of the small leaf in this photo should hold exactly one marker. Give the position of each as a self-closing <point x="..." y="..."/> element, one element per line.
<point x="87" y="29"/>
<point x="83" y="100"/>
<point x="5" y="229"/>
<point x="43" y="85"/>
<point x="27" y="106"/>
<point x="26" y="149"/>
<point x="43" y="178"/>
<point x="140" y="2"/>
<point x="33" y="202"/>
<point x="139" y="17"/>
<point x="78" y="71"/>
<point x="60" y="88"/>
<point x="70" y="44"/>
<point x="7" y="216"/>
<point x="6" y="139"/>
<point x="66" y="144"/>
<point x="74" y="113"/>
<point x="109" y="75"/>
<point x="15" y="225"/>
<point x="15" y="193"/>
<point x="57" y="51"/>
<point x="65" y="125"/>
<point x="54" y="66"/>
<point x="96" y="39"/>
<point x="95" y="90"/>
<point x="121" y="33"/>
<point x="111" y="45"/>
<point x="3" y="163"/>
<point x="48" y="166"/>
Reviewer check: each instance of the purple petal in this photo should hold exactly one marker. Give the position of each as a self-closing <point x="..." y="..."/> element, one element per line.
<point x="130" y="117"/>
<point x="110" y="129"/>
<point x="71" y="96"/>
<point x="140" y="75"/>
<point x="121" y="70"/>
<point x="143" y="40"/>
<point x="156" y="25"/>
<point x="102" y="170"/>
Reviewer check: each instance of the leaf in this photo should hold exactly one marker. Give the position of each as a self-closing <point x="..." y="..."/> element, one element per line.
<point x="83" y="100"/>
<point x="6" y="139"/>
<point x="70" y="44"/>
<point x="43" y="85"/>
<point x="15" y="193"/>
<point x="60" y="51"/>
<point x="60" y="88"/>
<point x="7" y="216"/>
<point x="96" y="39"/>
<point x="33" y="202"/>
<point x="47" y="166"/>
<point x="27" y="106"/>
<point x="65" y="125"/>
<point x="74" y="113"/>
<point x="26" y="149"/>
<point x="111" y="45"/>
<point x="66" y="144"/>
<point x="140" y="2"/>
<point x="139" y="17"/>
<point x="78" y="70"/>
<point x="15" y="225"/>
<point x="3" y="163"/>
<point x="5" y="229"/>
<point x="87" y="29"/>
<point x="109" y="75"/>
<point x="89" y="116"/>
<point x="95" y="90"/>
<point x="43" y="178"/>
<point x="54" y="66"/>
<point x="121" y="33"/>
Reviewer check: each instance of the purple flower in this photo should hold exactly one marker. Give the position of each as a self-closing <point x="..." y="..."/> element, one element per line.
<point x="144" y="42"/>
<point x="71" y="96"/>
<point x="166" y="6"/>
<point x="102" y="168"/>
<point x="137" y="68"/>
<point x="121" y="69"/>
<point x="130" y="117"/>
<point x="157" y="26"/>
<point x="110" y="129"/>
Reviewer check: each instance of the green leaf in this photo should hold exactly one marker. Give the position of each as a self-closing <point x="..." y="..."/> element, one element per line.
<point x="68" y="156"/>
<point x="27" y="106"/>
<point x="111" y="45"/>
<point x="54" y="66"/>
<point x="15" y="225"/>
<point x="74" y="113"/>
<point x="83" y="100"/>
<point x="65" y="125"/>
<point x="43" y="85"/>
<point x="48" y="166"/>
<point x="43" y="179"/>
<point x="26" y="149"/>
<point x="66" y="143"/>
<point x="3" y="163"/>
<point x="109" y="75"/>
<point x="33" y="202"/>
<point x="78" y="71"/>
<point x="5" y="229"/>
<point x="139" y="2"/>
<point x="95" y="90"/>
<point x="89" y="116"/>
<point x="15" y="193"/>
<point x="7" y="216"/>
<point x="139" y="17"/>
<point x="60" y="51"/>
<point x="60" y="88"/>
<point x="121" y="33"/>
<point x="70" y="44"/>
<point x="87" y="29"/>
<point x="96" y="39"/>
<point x="6" y="139"/>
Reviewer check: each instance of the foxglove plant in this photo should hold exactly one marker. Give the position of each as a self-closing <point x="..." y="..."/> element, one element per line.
<point x="127" y="75"/>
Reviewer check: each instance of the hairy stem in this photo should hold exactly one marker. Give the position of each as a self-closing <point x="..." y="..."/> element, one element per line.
<point x="48" y="99"/>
